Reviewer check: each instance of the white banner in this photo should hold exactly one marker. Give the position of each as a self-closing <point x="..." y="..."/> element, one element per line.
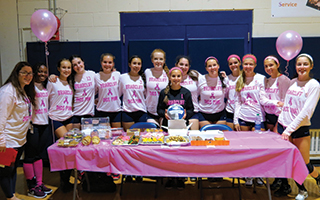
<point x="295" y="8"/>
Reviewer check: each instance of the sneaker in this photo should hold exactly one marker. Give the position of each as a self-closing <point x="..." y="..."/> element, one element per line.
<point x="180" y="184"/>
<point x="45" y="189"/>
<point x="284" y="190"/>
<point x="115" y="176"/>
<point x="193" y="179"/>
<point x="129" y="179"/>
<point x="302" y="195"/>
<point x="139" y="179"/>
<point x="36" y="192"/>
<point x="169" y="184"/>
<point x="249" y="182"/>
<point x="276" y="184"/>
<point x="259" y="181"/>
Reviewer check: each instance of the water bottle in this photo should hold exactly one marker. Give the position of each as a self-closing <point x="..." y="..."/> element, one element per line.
<point x="108" y="134"/>
<point x="257" y="125"/>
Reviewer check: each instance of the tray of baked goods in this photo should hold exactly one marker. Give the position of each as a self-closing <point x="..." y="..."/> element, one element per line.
<point x="207" y="138"/>
<point x="177" y="140"/>
<point x="67" y="143"/>
<point x="126" y="140"/>
<point x="151" y="138"/>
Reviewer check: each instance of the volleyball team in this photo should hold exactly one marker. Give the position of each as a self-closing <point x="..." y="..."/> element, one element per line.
<point x="285" y="106"/>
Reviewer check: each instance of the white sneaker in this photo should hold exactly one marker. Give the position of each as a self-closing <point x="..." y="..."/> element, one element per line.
<point x="259" y="181"/>
<point x="249" y="182"/>
<point x="302" y="195"/>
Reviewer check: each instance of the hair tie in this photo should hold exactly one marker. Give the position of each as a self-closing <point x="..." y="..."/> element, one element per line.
<point x="272" y="58"/>
<point x="249" y="56"/>
<point x="234" y="56"/>
<point x="175" y="68"/>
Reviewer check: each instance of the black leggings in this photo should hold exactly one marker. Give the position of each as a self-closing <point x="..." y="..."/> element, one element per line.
<point x="8" y="176"/>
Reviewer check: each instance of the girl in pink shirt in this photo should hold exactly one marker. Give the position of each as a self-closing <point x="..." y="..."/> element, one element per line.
<point x="294" y="120"/>
<point x="234" y="62"/>
<point x="156" y="80"/>
<point x="37" y="136"/>
<point x="107" y="86"/>
<point x="132" y="90"/>
<point x="190" y="81"/>
<point x="16" y="97"/>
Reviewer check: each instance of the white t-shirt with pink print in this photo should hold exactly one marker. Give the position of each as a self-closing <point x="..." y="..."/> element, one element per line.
<point x="40" y="111"/>
<point x="276" y="89"/>
<point x="212" y="94"/>
<point x="133" y="94"/>
<point x="84" y="94"/>
<point x="232" y="81"/>
<point x="60" y="100"/>
<point x="192" y="86"/>
<point x="108" y="93"/>
<point x="153" y="88"/>
<point x="300" y="102"/>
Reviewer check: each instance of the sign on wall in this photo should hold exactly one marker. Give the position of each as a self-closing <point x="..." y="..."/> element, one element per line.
<point x="295" y="8"/>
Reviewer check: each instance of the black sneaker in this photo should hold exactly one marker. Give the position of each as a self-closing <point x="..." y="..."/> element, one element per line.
<point x="180" y="184"/>
<point x="276" y="184"/>
<point x="169" y="184"/>
<point x="36" y="192"/>
<point x="284" y="190"/>
<point x="129" y="179"/>
<point x="45" y="189"/>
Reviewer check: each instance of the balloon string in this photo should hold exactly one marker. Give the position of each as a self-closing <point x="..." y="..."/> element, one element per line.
<point x="286" y="72"/>
<point x="47" y="54"/>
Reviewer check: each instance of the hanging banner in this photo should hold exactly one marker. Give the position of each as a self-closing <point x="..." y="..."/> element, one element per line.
<point x="295" y="8"/>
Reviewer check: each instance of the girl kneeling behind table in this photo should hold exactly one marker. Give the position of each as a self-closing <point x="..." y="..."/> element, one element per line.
<point x="170" y="95"/>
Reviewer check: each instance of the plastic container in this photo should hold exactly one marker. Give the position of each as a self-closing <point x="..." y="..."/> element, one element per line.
<point x="257" y="125"/>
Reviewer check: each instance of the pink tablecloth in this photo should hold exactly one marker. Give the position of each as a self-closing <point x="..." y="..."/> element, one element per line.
<point x="248" y="155"/>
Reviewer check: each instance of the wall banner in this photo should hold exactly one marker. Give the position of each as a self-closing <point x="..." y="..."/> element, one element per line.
<point x="295" y="8"/>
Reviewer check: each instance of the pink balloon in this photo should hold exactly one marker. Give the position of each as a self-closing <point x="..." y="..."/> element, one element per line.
<point x="43" y="24"/>
<point x="289" y="44"/>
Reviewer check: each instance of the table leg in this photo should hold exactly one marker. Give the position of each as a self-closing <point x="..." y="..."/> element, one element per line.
<point x="75" y="184"/>
<point x="268" y="187"/>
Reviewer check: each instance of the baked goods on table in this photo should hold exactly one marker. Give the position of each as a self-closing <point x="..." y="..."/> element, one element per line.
<point x="126" y="140"/>
<point x="86" y="140"/>
<point x="95" y="140"/>
<point x="152" y="138"/>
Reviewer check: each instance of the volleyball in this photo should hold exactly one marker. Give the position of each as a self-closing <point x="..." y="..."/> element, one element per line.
<point x="175" y="111"/>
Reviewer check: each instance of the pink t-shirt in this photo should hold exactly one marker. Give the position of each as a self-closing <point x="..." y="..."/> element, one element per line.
<point x="60" y="100"/>
<point x="192" y="86"/>
<point x="84" y="95"/>
<point x="300" y="102"/>
<point x="153" y="87"/>
<point x="251" y="99"/>
<point x="232" y="81"/>
<point x="276" y="89"/>
<point x="16" y="114"/>
<point x="108" y="93"/>
<point x="133" y="94"/>
<point x="40" y="111"/>
<point x="211" y="94"/>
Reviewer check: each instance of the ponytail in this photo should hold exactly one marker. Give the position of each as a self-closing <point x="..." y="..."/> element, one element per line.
<point x="241" y="81"/>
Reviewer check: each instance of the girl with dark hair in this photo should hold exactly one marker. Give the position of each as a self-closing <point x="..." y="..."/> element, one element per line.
<point x="234" y="63"/>
<point x="156" y="80"/>
<point x="17" y="96"/>
<point x="37" y="136"/>
<point x="212" y="91"/>
<point x="60" y="112"/>
<point x="190" y="81"/>
<point x="174" y="93"/>
<point x="132" y="88"/>
<point x="294" y="120"/>
<point x="107" y="86"/>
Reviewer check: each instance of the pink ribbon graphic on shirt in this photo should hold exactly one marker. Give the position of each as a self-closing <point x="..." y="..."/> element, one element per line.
<point x="249" y="96"/>
<point x="42" y="103"/>
<point x="290" y="101"/>
<point x="84" y="93"/>
<point x="134" y="94"/>
<point x="109" y="93"/>
<point x="157" y="87"/>
<point x="66" y="100"/>
<point x="212" y="96"/>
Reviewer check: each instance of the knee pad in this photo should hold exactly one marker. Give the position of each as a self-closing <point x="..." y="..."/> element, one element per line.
<point x="310" y="167"/>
